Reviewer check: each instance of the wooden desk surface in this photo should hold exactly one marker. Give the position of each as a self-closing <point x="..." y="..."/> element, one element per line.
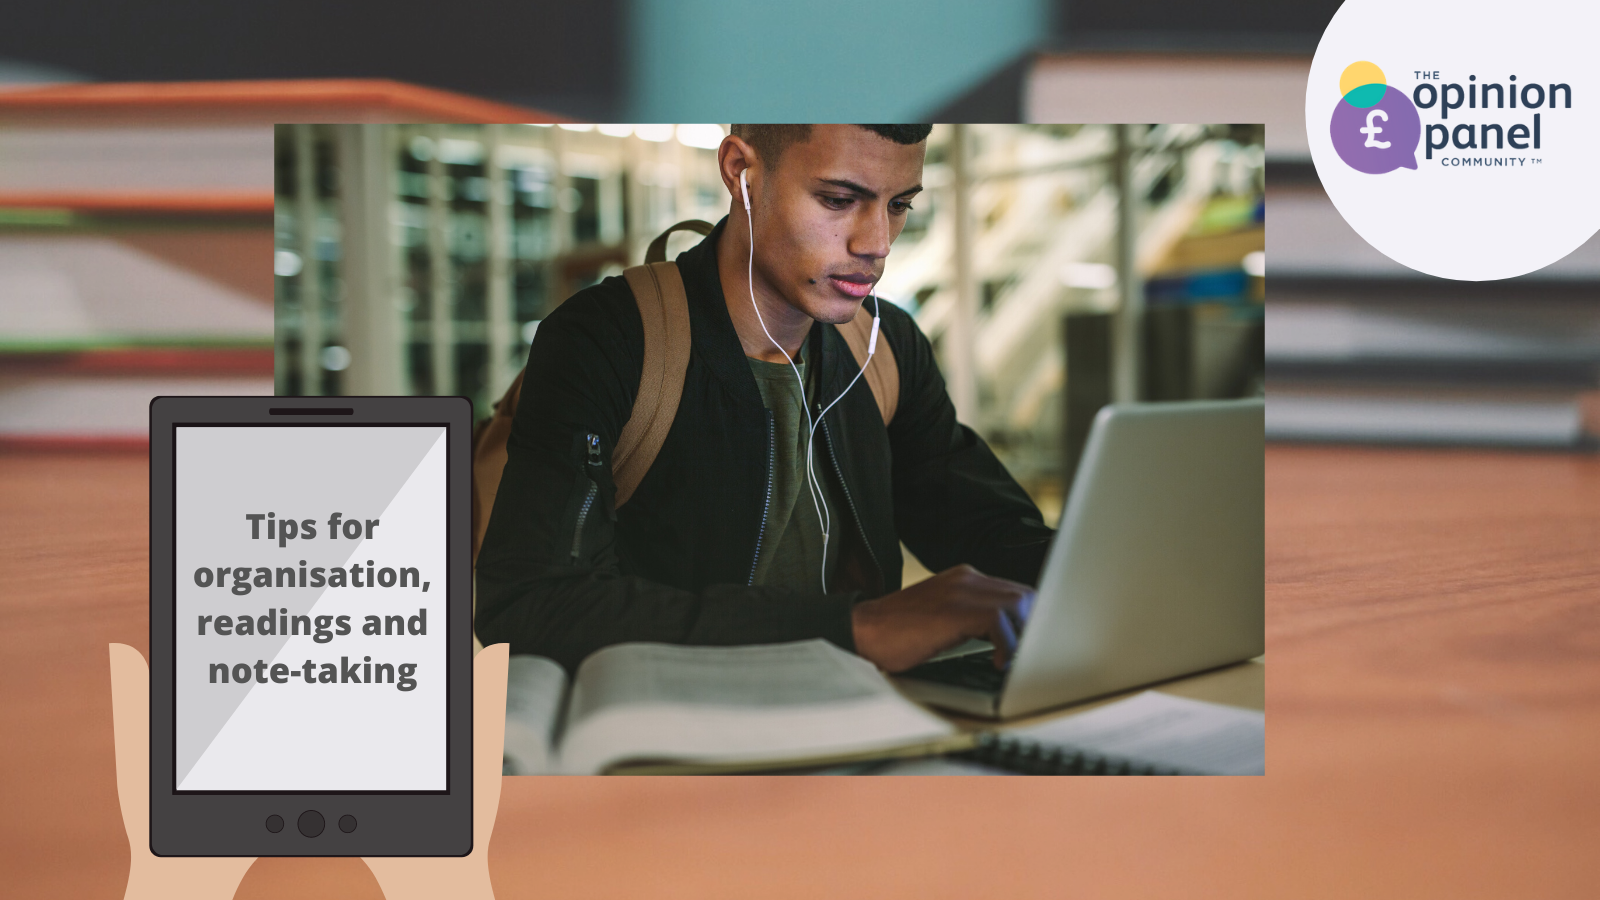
<point x="1433" y="725"/>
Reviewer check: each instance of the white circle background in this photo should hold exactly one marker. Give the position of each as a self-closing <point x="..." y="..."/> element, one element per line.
<point x="1470" y="223"/>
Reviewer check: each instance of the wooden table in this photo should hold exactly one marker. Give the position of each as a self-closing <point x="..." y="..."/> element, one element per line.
<point x="1433" y="725"/>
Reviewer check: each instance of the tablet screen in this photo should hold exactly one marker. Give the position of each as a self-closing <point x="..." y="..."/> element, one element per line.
<point x="310" y="608"/>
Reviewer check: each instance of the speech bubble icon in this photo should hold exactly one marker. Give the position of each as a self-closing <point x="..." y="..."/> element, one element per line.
<point x="1380" y="137"/>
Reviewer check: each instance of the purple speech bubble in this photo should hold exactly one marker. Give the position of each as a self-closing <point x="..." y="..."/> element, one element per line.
<point x="1380" y="138"/>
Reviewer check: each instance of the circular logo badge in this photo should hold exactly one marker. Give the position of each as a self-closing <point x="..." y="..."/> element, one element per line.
<point x="1460" y="140"/>
<point x="1375" y="128"/>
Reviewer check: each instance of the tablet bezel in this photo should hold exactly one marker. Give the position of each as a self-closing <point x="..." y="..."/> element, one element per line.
<point x="387" y="823"/>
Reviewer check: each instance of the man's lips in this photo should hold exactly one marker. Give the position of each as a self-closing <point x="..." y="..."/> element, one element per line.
<point x="849" y="285"/>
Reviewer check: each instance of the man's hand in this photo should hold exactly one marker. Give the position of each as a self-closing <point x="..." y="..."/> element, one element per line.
<point x="900" y="630"/>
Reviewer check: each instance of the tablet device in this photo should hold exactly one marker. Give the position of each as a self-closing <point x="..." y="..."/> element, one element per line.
<point x="310" y="626"/>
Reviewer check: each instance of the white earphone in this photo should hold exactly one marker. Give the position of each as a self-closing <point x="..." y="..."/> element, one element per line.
<point x="813" y="484"/>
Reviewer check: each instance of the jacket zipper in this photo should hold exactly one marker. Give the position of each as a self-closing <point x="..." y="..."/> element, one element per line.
<point x="588" y="500"/>
<point x="850" y="501"/>
<point x="766" y="505"/>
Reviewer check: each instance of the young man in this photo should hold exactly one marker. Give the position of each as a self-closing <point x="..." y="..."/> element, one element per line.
<point x="722" y="542"/>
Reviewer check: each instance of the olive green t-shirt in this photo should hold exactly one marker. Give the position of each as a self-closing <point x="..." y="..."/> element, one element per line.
<point x="791" y="541"/>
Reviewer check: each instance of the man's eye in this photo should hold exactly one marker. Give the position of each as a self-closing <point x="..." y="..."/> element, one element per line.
<point x="900" y="207"/>
<point x="835" y="202"/>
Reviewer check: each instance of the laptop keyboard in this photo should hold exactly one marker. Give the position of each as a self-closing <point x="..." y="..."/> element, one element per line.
<point x="975" y="671"/>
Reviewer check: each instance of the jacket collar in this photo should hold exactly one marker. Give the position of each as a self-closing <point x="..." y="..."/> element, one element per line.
<point x="716" y="341"/>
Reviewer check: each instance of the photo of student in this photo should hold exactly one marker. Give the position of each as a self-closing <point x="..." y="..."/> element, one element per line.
<point x="827" y="433"/>
<point x="721" y="544"/>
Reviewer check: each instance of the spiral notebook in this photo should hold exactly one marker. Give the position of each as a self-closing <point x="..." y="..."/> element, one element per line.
<point x="1147" y="734"/>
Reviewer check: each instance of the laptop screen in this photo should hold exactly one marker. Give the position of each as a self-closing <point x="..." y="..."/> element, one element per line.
<point x="310" y="607"/>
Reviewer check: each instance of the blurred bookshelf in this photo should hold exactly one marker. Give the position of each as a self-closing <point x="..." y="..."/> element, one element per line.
<point x="137" y="242"/>
<point x="1362" y="349"/>
<point x="488" y="229"/>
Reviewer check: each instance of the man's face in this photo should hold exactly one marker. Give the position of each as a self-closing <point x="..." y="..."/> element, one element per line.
<point x="826" y="215"/>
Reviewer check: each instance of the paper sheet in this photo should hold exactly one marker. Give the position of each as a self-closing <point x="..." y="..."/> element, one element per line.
<point x="1168" y="731"/>
<point x="534" y="688"/>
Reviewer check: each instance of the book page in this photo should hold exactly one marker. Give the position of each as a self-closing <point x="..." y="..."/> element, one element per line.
<point x="1169" y="731"/>
<point x="534" y="690"/>
<point x="777" y="702"/>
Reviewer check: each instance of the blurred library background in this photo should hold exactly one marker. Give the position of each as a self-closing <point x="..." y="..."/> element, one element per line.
<point x="420" y="259"/>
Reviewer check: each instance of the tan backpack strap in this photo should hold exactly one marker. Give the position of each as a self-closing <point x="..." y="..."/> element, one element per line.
<point x="883" y="375"/>
<point x="489" y="460"/>
<point x="664" y="311"/>
<point x="657" y="251"/>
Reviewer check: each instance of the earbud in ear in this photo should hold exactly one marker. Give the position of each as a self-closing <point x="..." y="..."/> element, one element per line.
<point x="744" y="188"/>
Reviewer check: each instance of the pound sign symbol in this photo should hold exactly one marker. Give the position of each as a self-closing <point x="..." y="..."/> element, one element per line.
<point x="1372" y="131"/>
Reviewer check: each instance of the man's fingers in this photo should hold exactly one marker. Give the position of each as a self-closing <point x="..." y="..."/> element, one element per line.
<point x="1015" y="604"/>
<point x="956" y="604"/>
<point x="1019" y="613"/>
<point x="1004" y="638"/>
<point x="1001" y="607"/>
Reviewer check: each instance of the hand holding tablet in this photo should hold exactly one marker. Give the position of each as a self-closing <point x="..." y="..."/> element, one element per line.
<point x="311" y="683"/>
<point x="214" y="877"/>
<point x="467" y="877"/>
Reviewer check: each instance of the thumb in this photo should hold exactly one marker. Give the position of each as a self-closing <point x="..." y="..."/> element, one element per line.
<point x="130" y="722"/>
<point x="489" y="669"/>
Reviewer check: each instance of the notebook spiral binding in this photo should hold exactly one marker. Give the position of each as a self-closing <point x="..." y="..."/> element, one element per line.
<point x="1030" y="757"/>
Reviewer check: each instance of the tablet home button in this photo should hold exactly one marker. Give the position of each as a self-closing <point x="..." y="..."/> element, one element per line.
<point x="310" y="823"/>
<point x="347" y="824"/>
<point x="274" y="823"/>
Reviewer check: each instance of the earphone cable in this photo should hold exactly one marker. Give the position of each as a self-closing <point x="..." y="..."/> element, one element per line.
<point x="813" y="482"/>
<point x="813" y="486"/>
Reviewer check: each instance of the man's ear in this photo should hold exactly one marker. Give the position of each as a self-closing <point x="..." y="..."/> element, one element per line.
<point x="735" y="156"/>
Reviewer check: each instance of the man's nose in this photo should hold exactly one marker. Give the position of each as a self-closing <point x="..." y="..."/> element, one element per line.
<point x="872" y="235"/>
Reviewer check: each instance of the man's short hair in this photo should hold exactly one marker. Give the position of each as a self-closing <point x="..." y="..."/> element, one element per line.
<point x="770" y="141"/>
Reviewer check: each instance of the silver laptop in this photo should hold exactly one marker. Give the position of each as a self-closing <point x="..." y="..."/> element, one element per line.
<point x="1156" y="571"/>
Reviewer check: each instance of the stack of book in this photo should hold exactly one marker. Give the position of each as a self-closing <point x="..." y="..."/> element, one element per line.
<point x="137" y="243"/>
<point x="135" y="260"/>
<point x="103" y="312"/>
<point x="1360" y="348"/>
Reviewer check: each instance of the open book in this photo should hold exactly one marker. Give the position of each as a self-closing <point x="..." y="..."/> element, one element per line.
<point x="660" y="708"/>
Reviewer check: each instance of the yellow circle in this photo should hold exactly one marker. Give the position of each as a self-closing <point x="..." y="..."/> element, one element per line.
<point x="1358" y="73"/>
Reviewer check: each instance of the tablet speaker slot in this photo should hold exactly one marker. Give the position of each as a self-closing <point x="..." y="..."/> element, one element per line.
<point x="311" y="411"/>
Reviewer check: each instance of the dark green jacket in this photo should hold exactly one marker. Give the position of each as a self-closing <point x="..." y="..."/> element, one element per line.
<point x="562" y="574"/>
